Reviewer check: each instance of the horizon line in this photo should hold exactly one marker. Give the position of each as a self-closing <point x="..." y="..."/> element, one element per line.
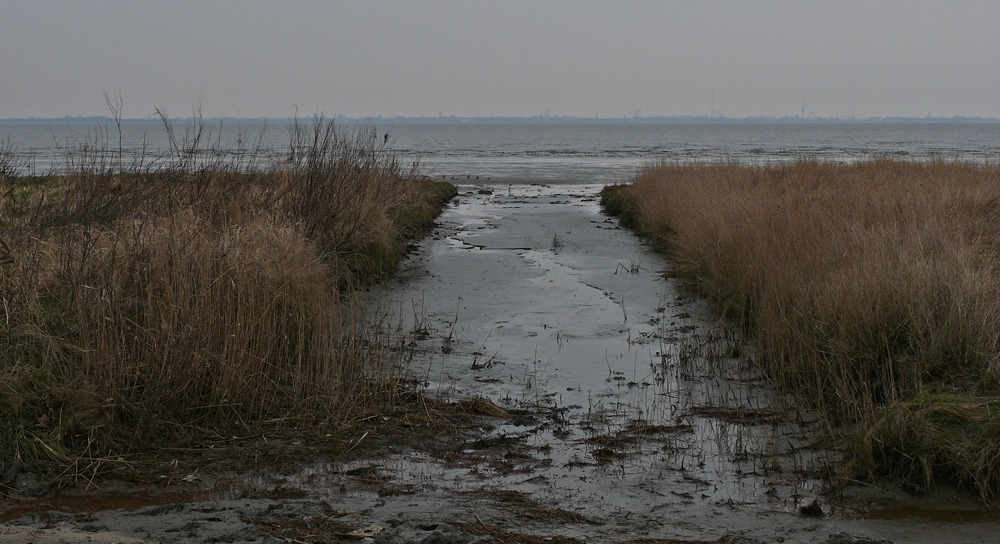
<point x="533" y="118"/>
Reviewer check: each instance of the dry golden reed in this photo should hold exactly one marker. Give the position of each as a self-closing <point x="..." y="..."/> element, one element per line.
<point x="871" y="289"/>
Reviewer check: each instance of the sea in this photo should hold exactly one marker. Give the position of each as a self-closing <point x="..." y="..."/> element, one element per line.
<point x="509" y="152"/>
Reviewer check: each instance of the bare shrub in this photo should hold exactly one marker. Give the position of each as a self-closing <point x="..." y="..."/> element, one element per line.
<point x="12" y="164"/>
<point x="347" y="190"/>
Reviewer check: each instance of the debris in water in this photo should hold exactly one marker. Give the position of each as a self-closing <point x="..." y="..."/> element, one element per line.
<point x="812" y="509"/>
<point x="366" y="532"/>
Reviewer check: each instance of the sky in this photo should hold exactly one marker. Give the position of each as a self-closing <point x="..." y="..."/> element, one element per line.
<point x="500" y="58"/>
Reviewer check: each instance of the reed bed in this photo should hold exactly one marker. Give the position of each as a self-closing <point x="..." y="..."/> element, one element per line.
<point x="872" y="291"/>
<point x="161" y="301"/>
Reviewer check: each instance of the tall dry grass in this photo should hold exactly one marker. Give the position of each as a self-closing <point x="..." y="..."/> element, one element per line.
<point x="872" y="291"/>
<point x="156" y="304"/>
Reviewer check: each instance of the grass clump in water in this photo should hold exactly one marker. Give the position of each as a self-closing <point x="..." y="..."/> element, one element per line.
<point x="160" y="303"/>
<point x="871" y="291"/>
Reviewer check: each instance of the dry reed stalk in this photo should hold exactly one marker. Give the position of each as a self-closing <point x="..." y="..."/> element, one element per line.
<point x="865" y="285"/>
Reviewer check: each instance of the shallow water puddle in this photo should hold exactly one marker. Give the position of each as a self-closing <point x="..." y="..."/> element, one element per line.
<point x="646" y="408"/>
<point x="532" y="298"/>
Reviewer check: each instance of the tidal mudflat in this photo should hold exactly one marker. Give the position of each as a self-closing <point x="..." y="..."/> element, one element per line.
<point x="650" y="414"/>
<point x="615" y="407"/>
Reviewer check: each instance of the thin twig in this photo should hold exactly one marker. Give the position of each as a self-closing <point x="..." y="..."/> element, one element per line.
<point x="356" y="443"/>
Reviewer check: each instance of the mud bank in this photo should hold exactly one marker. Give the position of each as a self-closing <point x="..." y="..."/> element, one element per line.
<point x="632" y="415"/>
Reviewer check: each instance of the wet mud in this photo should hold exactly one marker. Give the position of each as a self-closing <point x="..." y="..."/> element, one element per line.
<point x="620" y="409"/>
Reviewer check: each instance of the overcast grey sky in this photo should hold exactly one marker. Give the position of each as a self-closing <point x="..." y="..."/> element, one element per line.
<point x="251" y="59"/>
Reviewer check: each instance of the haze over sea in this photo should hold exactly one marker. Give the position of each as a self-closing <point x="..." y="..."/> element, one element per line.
<point x="553" y="152"/>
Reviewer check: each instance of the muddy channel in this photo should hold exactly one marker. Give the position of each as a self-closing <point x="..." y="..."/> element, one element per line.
<point x="626" y="412"/>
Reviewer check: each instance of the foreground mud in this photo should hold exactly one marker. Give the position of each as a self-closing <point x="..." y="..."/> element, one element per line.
<point x="621" y="410"/>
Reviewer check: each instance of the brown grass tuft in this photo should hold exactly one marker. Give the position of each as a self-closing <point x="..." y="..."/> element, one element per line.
<point x="151" y="306"/>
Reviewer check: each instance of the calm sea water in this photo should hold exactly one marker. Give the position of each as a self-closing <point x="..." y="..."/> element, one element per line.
<point x="553" y="152"/>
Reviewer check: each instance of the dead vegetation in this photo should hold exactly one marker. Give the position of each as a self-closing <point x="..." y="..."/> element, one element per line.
<point x="315" y="530"/>
<point x="727" y="539"/>
<point x="609" y="447"/>
<point x="524" y="506"/>
<point x="871" y="291"/>
<point x="166" y="302"/>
